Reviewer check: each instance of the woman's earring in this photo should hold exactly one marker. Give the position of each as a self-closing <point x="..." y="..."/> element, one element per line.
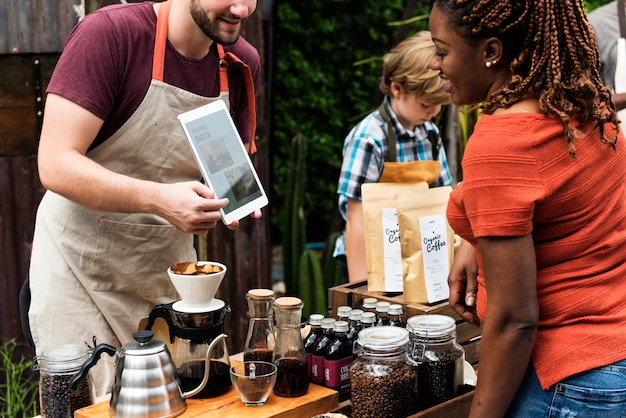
<point x="488" y="64"/>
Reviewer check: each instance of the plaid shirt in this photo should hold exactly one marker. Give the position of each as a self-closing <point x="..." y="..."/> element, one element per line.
<point x="365" y="152"/>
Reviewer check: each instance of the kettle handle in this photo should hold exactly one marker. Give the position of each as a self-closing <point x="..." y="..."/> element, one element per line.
<point x="207" y="367"/>
<point x="97" y="352"/>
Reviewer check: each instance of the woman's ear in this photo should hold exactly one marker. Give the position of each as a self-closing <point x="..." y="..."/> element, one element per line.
<point x="492" y="50"/>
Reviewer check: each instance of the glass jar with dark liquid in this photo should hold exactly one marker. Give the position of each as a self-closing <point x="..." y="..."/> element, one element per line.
<point x="292" y="378"/>
<point x="260" y="341"/>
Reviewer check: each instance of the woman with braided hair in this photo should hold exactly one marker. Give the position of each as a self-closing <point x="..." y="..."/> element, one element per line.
<point x="543" y="204"/>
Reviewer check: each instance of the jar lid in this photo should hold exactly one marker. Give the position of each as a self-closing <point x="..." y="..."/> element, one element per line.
<point x="260" y="294"/>
<point x="430" y="325"/>
<point x="288" y="302"/>
<point x="369" y="302"/>
<point x="68" y="357"/>
<point x="383" y="338"/>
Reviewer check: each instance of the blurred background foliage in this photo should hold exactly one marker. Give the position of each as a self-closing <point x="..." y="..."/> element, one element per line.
<point x="327" y="60"/>
<point x="320" y="90"/>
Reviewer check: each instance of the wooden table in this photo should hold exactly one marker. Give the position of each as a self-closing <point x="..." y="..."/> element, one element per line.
<point x="317" y="400"/>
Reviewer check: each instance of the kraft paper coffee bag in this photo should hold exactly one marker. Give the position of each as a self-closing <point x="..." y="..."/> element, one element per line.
<point x="427" y="245"/>
<point x="382" y="244"/>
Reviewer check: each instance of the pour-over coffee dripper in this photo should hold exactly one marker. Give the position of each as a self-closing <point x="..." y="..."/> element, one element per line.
<point x="193" y="322"/>
<point x="196" y="288"/>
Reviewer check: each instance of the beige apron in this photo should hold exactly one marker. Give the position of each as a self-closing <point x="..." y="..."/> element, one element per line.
<point x="97" y="273"/>
<point x="404" y="172"/>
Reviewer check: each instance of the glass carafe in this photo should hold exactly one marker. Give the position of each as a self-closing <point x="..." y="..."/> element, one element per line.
<point x="260" y="340"/>
<point x="289" y="355"/>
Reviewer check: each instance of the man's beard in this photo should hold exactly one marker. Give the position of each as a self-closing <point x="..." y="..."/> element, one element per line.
<point x="211" y="27"/>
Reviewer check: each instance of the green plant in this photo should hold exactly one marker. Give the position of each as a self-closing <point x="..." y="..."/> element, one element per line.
<point x="19" y="390"/>
<point x="293" y="224"/>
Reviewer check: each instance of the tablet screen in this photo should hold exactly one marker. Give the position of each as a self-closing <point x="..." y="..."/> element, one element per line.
<point x="223" y="160"/>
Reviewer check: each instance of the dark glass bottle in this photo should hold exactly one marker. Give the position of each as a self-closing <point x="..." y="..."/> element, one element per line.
<point x="382" y="313"/>
<point x="317" y="364"/>
<point x="355" y="325"/>
<point x="337" y="361"/>
<point x="315" y="321"/>
<point x="343" y="312"/>
<point x="368" y="319"/>
<point x="395" y="315"/>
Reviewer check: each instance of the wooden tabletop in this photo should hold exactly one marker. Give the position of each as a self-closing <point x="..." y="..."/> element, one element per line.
<point x="317" y="400"/>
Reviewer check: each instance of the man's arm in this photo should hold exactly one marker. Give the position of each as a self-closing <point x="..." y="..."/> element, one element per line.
<point x="68" y="131"/>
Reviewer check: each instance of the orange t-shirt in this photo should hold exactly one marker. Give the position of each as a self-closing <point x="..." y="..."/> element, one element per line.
<point x="518" y="178"/>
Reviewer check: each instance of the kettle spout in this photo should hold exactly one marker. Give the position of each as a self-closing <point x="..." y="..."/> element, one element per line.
<point x="207" y="366"/>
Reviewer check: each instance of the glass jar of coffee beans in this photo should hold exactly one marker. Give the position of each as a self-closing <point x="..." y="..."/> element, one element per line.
<point x="383" y="378"/>
<point x="57" y="366"/>
<point x="438" y="356"/>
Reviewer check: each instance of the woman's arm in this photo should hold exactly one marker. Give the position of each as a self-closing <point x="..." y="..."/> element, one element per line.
<point x="510" y="327"/>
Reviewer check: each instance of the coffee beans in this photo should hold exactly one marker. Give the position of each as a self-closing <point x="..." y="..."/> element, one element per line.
<point x="438" y="380"/>
<point x="56" y="397"/>
<point x="383" y="389"/>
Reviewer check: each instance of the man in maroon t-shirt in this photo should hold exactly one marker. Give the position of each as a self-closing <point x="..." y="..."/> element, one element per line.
<point x="123" y="195"/>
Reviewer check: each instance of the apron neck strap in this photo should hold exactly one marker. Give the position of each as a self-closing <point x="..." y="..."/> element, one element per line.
<point x="621" y="14"/>
<point x="230" y="58"/>
<point x="158" y="59"/>
<point x="391" y="135"/>
<point x="158" y="64"/>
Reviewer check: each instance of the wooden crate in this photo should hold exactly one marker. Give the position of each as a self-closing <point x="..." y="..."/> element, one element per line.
<point x="352" y="294"/>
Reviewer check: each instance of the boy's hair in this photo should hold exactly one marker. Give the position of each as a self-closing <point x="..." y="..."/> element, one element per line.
<point x="408" y="64"/>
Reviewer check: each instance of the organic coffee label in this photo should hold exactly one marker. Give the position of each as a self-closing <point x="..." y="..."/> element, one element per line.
<point x="392" y="251"/>
<point x="435" y="247"/>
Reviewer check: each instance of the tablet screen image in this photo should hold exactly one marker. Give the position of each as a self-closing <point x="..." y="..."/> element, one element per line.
<point x="223" y="159"/>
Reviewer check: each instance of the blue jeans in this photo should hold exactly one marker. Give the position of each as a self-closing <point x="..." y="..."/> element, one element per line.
<point x="597" y="393"/>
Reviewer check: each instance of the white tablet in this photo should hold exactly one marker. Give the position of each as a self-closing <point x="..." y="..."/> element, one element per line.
<point x="223" y="159"/>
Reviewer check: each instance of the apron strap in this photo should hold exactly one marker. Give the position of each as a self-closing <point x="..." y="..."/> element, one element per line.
<point x="228" y="58"/>
<point x="621" y="14"/>
<point x="158" y="65"/>
<point x="158" y="59"/>
<point x="391" y="135"/>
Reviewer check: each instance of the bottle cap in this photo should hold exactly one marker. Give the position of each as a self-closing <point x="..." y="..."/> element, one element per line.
<point x="341" y="326"/>
<point x="316" y="319"/>
<point x="368" y="317"/>
<point x="382" y="306"/>
<point x="355" y="314"/>
<point x="343" y="311"/>
<point x="395" y="309"/>
<point x="328" y="323"/>
<point x="369" y="302"/>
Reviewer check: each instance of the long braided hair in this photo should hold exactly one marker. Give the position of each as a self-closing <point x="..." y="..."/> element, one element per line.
<point x="553" y="55"/>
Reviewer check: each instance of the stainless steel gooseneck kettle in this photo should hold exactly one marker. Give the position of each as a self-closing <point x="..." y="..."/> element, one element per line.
<point x="146" y="384"/>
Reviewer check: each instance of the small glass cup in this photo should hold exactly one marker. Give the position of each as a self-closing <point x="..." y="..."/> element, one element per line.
<point x="253" y="381"/>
